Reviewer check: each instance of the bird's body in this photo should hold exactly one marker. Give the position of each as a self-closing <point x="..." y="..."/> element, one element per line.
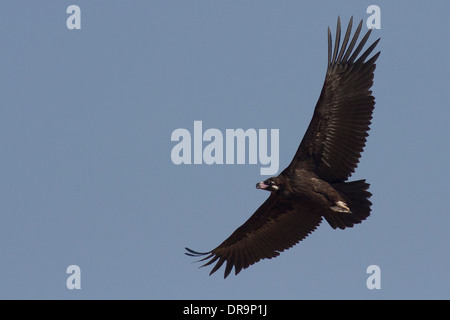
<point x="314" y="185"/>
<point x="305" y="186"/>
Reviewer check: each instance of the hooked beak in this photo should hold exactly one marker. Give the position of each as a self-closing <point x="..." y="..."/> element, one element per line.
<point x="264" y="186"/>
<point x="261" y="185"/>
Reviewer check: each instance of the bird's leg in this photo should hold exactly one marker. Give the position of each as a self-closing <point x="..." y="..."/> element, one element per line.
<point x="341" y="206"/>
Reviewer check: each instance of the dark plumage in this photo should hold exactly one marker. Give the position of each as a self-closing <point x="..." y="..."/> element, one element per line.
<point x="314" y="184"/>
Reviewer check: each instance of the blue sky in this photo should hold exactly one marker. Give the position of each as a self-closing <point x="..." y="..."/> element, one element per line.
<point x="86" y="175"/>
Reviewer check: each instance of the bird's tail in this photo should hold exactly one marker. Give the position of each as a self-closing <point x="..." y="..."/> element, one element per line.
<point x="357" y="196"/>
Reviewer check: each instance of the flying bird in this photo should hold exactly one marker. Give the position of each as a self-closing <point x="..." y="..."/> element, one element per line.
<point x="314" y="185"/>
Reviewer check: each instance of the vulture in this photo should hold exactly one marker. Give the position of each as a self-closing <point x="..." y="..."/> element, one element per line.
<point x="314" y="185"/>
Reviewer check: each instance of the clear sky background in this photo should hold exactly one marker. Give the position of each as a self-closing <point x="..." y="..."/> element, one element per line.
<point x="86" y="176"/>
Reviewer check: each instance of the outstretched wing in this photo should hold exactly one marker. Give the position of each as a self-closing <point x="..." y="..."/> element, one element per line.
<point x="276" y="226"/>
<point x="337" y="133"/>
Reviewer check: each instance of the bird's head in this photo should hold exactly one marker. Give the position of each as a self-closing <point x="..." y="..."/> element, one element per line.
<point x="271" y="184"/>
